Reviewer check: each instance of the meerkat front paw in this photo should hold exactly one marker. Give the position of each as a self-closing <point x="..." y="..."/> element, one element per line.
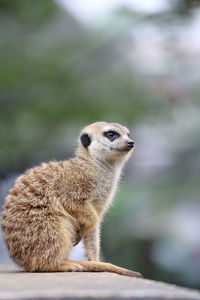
<point x="80" y="233"/>
<point x="78" y="237"/>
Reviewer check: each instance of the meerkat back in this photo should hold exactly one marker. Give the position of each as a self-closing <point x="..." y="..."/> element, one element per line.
<point x="31" y="224"/>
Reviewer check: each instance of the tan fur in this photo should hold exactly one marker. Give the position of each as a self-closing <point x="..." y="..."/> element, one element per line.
<point x="53" y="206"/>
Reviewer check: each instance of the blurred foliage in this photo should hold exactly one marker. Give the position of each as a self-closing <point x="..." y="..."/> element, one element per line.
<point x="140" y="217"/>
<point x="57" y="75"/>
<point x="54" y="72"/>
<point x="31" y="14"/>
<point x="179" y="11"/>
<point x="184" y="7"/>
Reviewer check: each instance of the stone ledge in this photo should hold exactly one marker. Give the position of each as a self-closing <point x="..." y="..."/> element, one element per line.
<point x="15" y="284"/>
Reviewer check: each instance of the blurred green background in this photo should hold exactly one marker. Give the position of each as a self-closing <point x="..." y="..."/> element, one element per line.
<point x="64" y="64"/>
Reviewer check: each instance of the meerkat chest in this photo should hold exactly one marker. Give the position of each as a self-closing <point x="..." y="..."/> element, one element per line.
<point x="105" y="191"/>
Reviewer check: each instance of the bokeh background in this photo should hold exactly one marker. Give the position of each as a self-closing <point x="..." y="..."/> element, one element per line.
<point x="64" y="64"/>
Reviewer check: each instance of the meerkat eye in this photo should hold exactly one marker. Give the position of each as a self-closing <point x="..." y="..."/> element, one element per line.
<point x="111" y="135"/>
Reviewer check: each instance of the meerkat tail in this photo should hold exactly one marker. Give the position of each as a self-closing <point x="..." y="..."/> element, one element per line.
<point x="92" y="266"/>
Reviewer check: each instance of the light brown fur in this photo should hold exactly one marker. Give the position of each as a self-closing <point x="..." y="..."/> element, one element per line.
<point x="53" y="206"/>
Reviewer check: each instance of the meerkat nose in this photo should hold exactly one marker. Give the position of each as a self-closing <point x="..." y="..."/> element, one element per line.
<point x="130" y="144"/>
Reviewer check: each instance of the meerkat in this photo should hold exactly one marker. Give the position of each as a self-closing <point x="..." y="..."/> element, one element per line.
<point x="53" y="206"/>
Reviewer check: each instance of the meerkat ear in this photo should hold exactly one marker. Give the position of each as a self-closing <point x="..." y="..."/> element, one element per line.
<point x="85" y="140"/>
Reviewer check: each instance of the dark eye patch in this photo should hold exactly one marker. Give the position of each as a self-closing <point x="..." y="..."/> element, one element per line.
<point x="111" y="135"/>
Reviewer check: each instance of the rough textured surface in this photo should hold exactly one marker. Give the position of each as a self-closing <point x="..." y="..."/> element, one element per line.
<point x="15" y="284"/>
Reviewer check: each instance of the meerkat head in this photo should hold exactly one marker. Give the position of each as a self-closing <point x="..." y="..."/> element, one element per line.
<point x="106" y="142"/>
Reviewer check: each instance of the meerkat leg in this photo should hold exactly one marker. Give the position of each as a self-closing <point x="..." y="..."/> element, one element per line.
<point x="92" y="266"/>
<point x="92" y="244"/>
<point x="87" y="217"/>
<point x="65" y="266"/>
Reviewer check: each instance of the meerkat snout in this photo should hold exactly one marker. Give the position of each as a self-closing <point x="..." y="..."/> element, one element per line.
<point x="130" y="144"/>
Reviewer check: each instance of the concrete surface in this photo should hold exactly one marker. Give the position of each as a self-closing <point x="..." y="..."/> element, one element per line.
<point x="15" y="284"/>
